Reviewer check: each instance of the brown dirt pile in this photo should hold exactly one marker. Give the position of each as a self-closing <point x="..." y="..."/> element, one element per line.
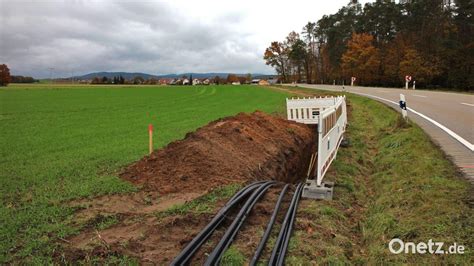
<point x="240" y="148"/>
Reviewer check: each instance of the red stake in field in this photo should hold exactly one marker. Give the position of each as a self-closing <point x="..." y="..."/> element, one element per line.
<point x="150" y="134"/>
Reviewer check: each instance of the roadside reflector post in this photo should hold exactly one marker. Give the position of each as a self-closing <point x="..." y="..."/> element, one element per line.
<point x="403" y="106"/>
<point x="414" y="82"/>
<point x="150" y="138"/>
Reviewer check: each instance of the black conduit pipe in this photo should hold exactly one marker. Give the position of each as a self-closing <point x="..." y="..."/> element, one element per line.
<point x="243" y="191"/>
<point x="230" y="233"/>
<point x="284" y="227"/>
<point x="268" y="230"/>
<point x="186" y="254"/>
<point x="289" y="230"/>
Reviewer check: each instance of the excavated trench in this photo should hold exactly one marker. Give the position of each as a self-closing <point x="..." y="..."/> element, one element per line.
<point x="237" y="149"/>
<point x="241" y="148"/>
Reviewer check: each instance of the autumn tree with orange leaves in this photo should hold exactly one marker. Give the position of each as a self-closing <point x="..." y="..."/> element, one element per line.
<point x="421" y="68"/>
<point x="4" y="75"/>
<point x="361" y="59"/>
<point x="277" y="56"/>
<point x="232" y="78"/>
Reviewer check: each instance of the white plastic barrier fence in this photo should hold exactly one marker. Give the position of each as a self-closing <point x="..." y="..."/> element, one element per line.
<point x="330" y="114"/>
<point x="307" y="110"/>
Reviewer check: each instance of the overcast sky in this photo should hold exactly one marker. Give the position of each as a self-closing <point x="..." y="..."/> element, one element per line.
<point x="156" y="37"/>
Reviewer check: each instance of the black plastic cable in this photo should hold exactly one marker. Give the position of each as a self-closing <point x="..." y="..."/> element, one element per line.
<point x="200" y="238"/>
<point x="230" y="233"/>
<point x="289" y="230"/>
<point x="268" y="230"/>
<point x="250" y="186"/>
<point x="284" y="227"/>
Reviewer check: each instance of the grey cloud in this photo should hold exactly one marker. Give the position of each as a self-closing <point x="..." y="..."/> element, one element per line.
<point x="153" y="37"/>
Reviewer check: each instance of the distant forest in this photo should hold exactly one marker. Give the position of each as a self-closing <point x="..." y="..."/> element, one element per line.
<point x="22" y="79"/>
<point x="382" y="42"/>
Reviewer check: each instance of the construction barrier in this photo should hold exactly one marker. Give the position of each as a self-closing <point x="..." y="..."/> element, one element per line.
<point x="330" y="114"/>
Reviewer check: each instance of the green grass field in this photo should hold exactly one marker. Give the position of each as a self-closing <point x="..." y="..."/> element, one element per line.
<point x="62" y="142"/>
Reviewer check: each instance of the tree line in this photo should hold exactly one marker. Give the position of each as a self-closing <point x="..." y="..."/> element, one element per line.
<point x="114" y="80"/>
<point x="6" y="78"/>
<point x="381" y="43"/>
<point x="23" y="79"/>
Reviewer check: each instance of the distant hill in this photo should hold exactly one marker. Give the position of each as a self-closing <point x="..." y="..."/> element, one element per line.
<point x="131" y="75"/>
<point x="125" y="75"/>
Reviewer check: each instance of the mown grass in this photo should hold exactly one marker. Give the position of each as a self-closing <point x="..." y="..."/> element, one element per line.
<point x="61" y="142"/>
<point x="392" y="182"/>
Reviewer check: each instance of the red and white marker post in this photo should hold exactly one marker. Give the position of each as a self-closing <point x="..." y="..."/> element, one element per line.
<point x="353" y="79"/>
<point x="407" y="80"/>
<point x="150" y="138"/>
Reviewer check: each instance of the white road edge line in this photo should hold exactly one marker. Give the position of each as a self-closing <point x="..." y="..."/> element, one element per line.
<point x="466" y="143"/>
<point x="470" y="104"/>
<point x="419" y="95"/>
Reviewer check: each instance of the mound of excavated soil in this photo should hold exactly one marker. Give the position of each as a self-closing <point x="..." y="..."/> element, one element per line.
<point x="241" y="148"/>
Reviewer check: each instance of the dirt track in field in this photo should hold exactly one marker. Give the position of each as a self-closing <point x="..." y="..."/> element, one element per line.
<point x="238" y="149"/>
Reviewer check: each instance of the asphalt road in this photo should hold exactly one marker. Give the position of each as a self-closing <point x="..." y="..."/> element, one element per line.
<point x="447" y="117"/>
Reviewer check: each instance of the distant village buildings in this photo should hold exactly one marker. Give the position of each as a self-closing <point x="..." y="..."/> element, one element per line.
<point x="138" y="80"/>
<point x="267" y="80"/>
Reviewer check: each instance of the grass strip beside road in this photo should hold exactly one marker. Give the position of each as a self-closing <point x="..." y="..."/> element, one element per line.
<point x="392" y="182"/>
